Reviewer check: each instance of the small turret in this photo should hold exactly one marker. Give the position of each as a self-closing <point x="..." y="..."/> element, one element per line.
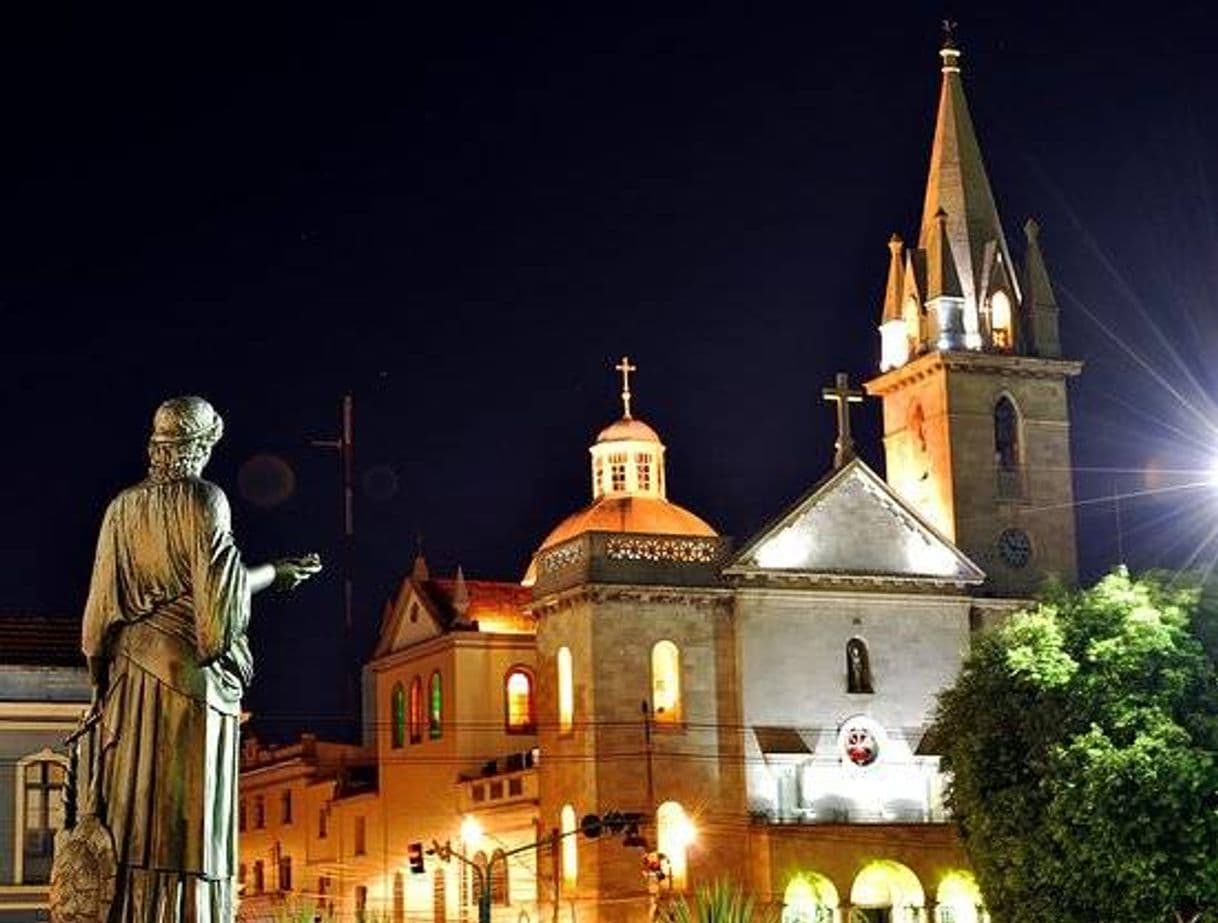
<point x="1044" y="338"/>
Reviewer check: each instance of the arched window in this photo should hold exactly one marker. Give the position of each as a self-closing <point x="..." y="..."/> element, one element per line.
<point x="499" y="879"/>
<point x="566" y="691"/>
<point x="435" y="707"/>
<point x="518" y="701"/>
<point x="666" y="682"/>
<point x="416" y="710"/>
<point x="570" y="847"/>
<point x="1000" y="320"/>
<point x="1008" y="453"/>
<point x="674" y="834"/>
<point x="39" y="814"/>
<point x="477" y="878"/>
<point x="397" y="711"/>
<point x="1006" y="434"/>
<point x="858" y="667"/>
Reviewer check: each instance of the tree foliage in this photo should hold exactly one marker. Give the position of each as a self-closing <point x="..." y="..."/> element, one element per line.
<point x="1081" y="740"/>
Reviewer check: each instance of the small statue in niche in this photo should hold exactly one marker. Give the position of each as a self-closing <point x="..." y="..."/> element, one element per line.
<point x="858" y="667"/>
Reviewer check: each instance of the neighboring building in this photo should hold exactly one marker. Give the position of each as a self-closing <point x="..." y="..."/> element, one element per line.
<point x="44" y="690"/>
<point x="764" y="708"/>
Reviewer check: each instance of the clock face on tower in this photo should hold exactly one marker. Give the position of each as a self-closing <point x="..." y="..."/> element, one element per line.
<point x="1015" y="548"/>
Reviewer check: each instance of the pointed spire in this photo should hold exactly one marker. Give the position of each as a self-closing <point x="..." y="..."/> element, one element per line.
<point x="892" y="291"/>
<point x="460" y="595"/>
<point x="1043" y="333"/>
<point x="957" y="182"/>
<point x="942" y="275"/>
<point x="418" y="571"/>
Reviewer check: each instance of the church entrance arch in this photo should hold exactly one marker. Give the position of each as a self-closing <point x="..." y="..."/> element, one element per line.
<point x="886" y="892"/>
<point x="809" y="898"/>
<point x="959" y="899"/>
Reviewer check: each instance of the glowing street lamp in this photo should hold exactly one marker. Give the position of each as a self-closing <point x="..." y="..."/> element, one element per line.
<point x="471" y="832"/>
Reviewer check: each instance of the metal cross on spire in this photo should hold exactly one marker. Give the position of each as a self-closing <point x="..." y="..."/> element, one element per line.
<point x="842" y="395"/>
<point x="626" y="368"/>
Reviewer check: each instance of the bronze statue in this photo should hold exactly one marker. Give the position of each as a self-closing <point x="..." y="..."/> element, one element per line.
<point x="165" y="637"/>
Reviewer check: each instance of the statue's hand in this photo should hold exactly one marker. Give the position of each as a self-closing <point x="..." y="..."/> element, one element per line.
<point x="292" y="572"/>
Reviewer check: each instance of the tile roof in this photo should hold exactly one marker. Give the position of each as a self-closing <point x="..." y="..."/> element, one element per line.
<point x="40" y="641"/>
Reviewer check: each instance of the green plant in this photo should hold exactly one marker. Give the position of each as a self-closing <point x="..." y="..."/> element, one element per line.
<point x="720" y="902"/>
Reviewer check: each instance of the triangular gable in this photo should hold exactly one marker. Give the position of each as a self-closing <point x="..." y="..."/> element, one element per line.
<point x="853" y="525"/>
<point x="413" y="618"/>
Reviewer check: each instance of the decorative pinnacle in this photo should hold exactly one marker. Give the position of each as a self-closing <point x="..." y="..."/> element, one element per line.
<point x="626" y="368"/>
<point x="950" y="51"/>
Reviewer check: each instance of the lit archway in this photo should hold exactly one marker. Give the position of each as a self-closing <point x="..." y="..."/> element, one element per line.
<point x="885" y="884"/>
<point x="958" y="899"/>
<point x="809" y="898"/>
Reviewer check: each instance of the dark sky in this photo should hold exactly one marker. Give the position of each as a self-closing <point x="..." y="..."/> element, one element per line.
<point x="465" y="215"/>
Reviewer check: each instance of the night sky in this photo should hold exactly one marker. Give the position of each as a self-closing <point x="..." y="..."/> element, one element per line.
<point x="464" y="216"/>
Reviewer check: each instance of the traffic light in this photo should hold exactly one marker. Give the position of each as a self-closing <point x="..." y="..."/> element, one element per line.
<point x="415" y="855"/>
<point x="614" y="823"/>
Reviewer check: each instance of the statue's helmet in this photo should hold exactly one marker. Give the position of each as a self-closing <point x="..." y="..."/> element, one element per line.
<point x="181" y="420"/>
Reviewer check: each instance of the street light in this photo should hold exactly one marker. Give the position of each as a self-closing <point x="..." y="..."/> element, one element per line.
<point x="471" y="832"/>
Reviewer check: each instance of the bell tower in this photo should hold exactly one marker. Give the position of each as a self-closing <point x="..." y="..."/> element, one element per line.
<point x="973" y="384"/>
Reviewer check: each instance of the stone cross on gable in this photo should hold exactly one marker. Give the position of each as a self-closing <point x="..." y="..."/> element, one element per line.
<point x="842" y="395"/>
<point x="626" y="368"/>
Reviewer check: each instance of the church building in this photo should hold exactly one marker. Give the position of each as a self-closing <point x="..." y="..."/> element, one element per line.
<point x="761" y="705"/>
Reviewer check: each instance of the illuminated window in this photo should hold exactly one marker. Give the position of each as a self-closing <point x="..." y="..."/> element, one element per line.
<point x="598" y="474"/>
<point x="398" y="716"/>
<point x="285" y="807"/>
<point x="43" y="816"/>
<point x="477" y="877"/>
<point x="416" y="710"/>
<point x="1000" y="320"/>
<point x="666" y="682"/>
<point x="361" y="836"/>
<point x="499" y="879"/>
<point x="518" y="701"/>
<point x="570" y="848"/>
<point x="643" y="467"/>
<point x="566" y="692"/>
<point x="674" y="834"/>
<point x="617" y="471"/>
<point x="436" y="709"/>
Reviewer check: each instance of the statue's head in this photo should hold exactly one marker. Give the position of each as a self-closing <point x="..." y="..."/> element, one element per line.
<point x="184" y="429"/>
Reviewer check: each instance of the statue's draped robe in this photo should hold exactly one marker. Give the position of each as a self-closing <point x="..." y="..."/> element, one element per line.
<point x="168" y="610"/>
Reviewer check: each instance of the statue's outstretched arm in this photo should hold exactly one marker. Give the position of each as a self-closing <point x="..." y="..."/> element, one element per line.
<point x="284" y="574"/>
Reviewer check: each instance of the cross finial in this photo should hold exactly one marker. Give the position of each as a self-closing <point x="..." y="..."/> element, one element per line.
<point x="950" y="51"/>
<point x="842" y="395"/>
<point x="626" y="368"/>
<point x="949" y="33"/>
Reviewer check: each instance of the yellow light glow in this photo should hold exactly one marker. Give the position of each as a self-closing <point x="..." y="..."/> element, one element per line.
<point x="570" y="848"/>
<point x="666" y="682"/>
<point x="566" y="691"/>
<point x="675" y="833"/>
<point x="471" y="833"/>
<point x="894" y="345"/>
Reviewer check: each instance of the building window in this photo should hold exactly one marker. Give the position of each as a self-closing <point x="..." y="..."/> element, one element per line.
<point x="259" y="877"/>
<point x="477" y="877"/>
<point x="570" y="848"/>
<point x="398" y="716"/>
<point x="666" y="682"/>
<point x="617" y="472"/>
<point x="285" y="873"/>
<point x="399" y="898"/>
<point x="439" y="896"/>
<point x="436" y="707"/>
<point x="1006" y="435"/>
<point x="361" y="904"/>
<point x="643" y="469"/>
<point x="416" y="710"/>
<point x="241" y="812"/>
<point x="674" y="834"/>
<point x="323" y="822"/>
<point x="285" y="807"/>
<point x="858" y="667"/>
<point x="518" y="701"/>
<point x="361" y="835"/>
<point x="42" y="802"/>
<point x="566" y="692"/>
<point x="259" y="812"/>
<point x="1000" y="320"/>
<point x="499" y="879"/>
<point x="598" y="477"/>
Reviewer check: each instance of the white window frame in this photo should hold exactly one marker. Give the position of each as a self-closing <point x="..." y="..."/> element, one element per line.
<point x="44" y="755"/>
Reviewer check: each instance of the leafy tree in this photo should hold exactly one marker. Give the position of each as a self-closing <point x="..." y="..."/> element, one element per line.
<point x="1081" y="738"/>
